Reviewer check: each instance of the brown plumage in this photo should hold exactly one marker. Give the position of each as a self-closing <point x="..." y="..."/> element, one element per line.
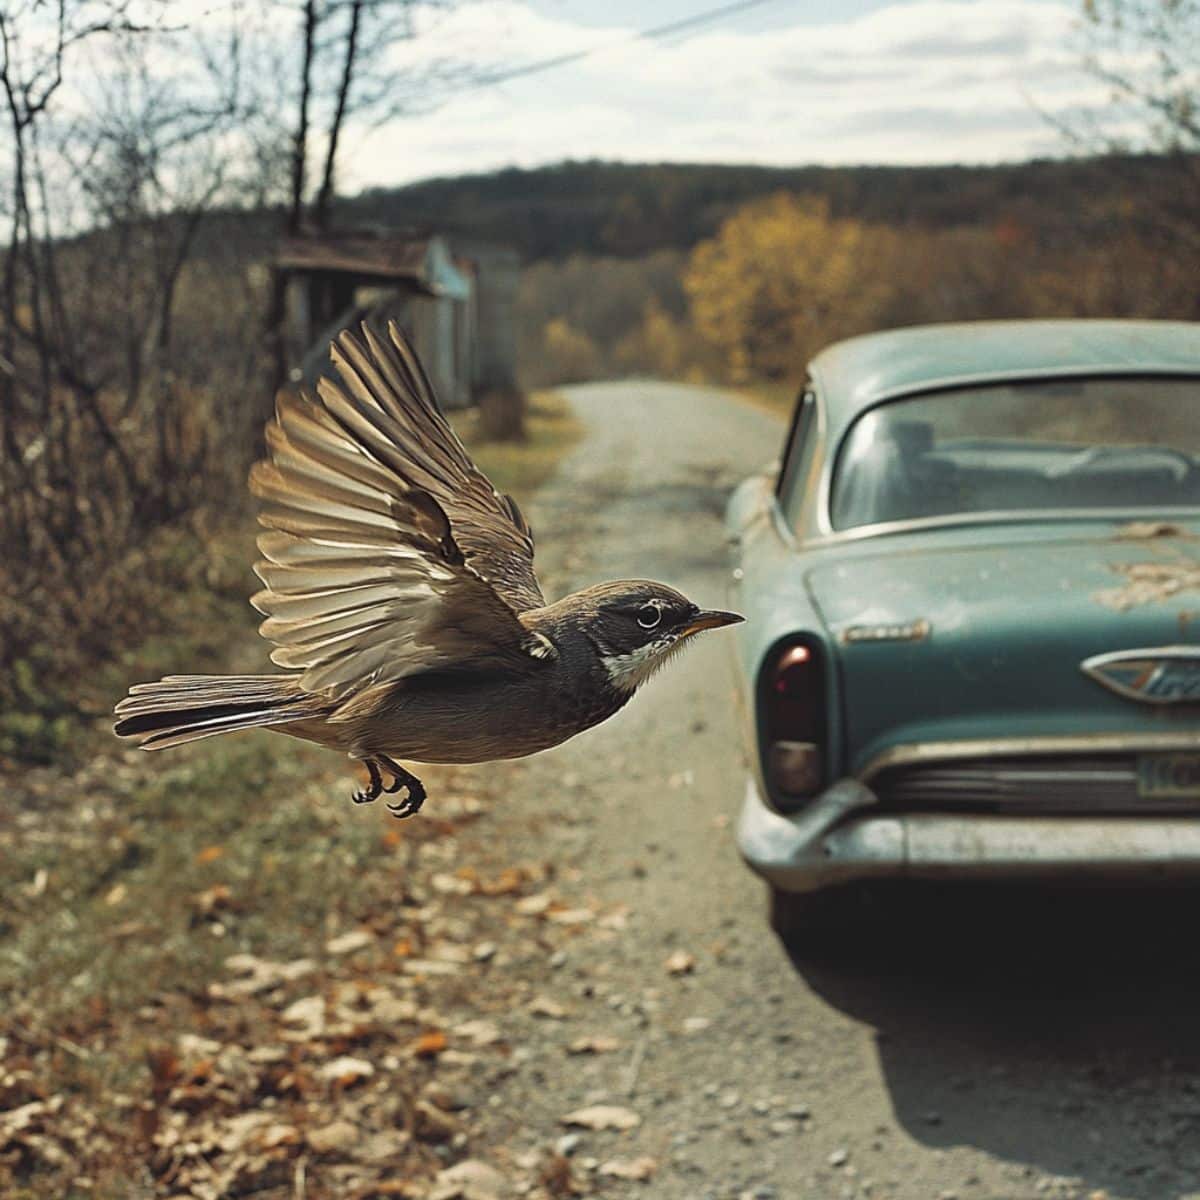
<point x="399" y="592"/>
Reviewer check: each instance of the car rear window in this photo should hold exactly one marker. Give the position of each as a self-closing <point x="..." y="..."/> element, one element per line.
<point x="1122" y="444"/>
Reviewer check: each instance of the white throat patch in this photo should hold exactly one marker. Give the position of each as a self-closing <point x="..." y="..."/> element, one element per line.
<point x="629" y="671"/>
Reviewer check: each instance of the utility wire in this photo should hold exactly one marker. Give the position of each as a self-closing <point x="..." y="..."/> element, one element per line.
<point x="707" y="17"/>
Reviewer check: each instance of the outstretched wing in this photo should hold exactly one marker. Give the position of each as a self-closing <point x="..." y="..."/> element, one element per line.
<point x="388" y="552"/>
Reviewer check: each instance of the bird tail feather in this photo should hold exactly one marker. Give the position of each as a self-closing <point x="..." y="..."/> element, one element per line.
<point x="186" y="708"/>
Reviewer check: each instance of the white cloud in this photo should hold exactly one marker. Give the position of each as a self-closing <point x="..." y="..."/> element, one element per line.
<point x="937" y="81"/>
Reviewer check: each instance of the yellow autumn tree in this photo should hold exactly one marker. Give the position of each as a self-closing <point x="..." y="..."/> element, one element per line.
<point x="781" y="278"/>
<point x="568" y="354"/>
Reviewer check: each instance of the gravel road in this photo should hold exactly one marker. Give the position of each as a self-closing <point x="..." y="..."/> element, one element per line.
<point x="1037" y="1047"/>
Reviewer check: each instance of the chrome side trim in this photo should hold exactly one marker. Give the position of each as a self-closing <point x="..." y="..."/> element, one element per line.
<point x="1084" y="743"/>
<point x="1031" y="516"/>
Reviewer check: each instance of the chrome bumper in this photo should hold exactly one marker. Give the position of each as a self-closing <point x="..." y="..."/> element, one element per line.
<point x="837" y="839"/>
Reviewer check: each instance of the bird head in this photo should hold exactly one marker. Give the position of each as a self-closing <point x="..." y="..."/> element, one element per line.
<point x="636" y="625"/>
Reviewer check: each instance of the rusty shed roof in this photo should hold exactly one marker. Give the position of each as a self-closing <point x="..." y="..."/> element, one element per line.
<point x="359" y="254"/>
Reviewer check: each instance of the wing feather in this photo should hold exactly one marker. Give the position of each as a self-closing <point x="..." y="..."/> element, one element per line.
<point x="386" y="552"/>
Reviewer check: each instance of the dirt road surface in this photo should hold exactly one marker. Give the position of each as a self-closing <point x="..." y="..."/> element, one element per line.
<point x="1007" y="1056"/>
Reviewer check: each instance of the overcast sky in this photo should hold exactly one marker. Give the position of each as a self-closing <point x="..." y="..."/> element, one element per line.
<point x="784" y="82"/>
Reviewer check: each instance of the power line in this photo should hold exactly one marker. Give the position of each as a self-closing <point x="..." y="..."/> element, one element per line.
<point x="707" y="17"/>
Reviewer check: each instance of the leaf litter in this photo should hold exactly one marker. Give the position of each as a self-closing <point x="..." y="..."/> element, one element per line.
<point x="356" y="1068"/>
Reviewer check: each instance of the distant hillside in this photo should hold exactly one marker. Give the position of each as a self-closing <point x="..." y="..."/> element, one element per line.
<point x="628" y="210"/>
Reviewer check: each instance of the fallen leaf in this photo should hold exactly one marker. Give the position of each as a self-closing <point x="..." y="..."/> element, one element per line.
<point x="570" y="916"/>
<point x="306" y="1017"/>
<point x="595" y="1044"/>
<point x="389" y="1009"/>
<point x="259" y="975"/>
<point x="268" y="1054"/>
<point x="603" y="1116"/>
<point x="433" y="1124"/>
<point x="543" y="1006"/>
<point x="478" y="1032"/>
<point x="451" y="885"/>
<point x="210" y="854"/>
<point x="348" y="943"/>
<point x="556" y="1177"/>
<point x="430" y="1044"/>
<point x="115" y="895"/>
<point x="235" y="1132"/>
<point x="509" y="880"/>
<point x="617" y="920"/>
<point x="384" y="1149"/>
<point x="193" y="1048"/>
<point x="470" y="1180"/>
<point x="681" y="963"/>
<point x="439" y="1094"/>
<point x="274" y="1136"/>
<point x="431" y="966"/>
<point x="212" y="899"/>
<point x="641" y="1168"/>
<point x="535" y="905"/>
<point x="334" y="1138"/>
<point x="451" y="952"/>
<point x="346" y="1070"/>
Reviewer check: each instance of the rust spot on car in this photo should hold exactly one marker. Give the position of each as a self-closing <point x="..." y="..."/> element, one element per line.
<point x="1136" y="531"/>
<point x="1151" y="582"/>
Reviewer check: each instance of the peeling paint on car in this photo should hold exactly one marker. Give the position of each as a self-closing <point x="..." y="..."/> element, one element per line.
<point x="1151" y="582"/>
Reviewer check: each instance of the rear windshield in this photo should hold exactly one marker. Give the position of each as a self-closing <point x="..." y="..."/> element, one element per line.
<point x="1119" y="444"/>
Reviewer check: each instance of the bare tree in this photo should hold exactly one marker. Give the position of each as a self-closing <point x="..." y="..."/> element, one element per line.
<point x="109" y="421"/>
<point x="342" y="70"/>
<point x="1147" y="53"/>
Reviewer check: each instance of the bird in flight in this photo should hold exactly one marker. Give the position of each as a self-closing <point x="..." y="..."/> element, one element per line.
<point x="400" y="595"/>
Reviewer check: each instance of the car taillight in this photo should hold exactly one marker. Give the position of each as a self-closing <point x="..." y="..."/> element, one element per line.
<point x="793" y="700"/>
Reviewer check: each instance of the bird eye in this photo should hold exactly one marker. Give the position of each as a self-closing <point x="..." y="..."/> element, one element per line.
<point x="648" y="616"/>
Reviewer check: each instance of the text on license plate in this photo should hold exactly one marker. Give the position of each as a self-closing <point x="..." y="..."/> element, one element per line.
<point x="1169" y="775"/>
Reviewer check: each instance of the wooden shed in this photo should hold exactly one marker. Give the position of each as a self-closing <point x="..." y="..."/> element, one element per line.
<point x="335" y="281"/>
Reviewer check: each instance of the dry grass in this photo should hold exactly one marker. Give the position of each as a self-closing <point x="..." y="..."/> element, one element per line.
<point x="520" y="468"/>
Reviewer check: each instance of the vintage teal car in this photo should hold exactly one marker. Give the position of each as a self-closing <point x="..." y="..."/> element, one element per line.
<point x="972" y="590"/>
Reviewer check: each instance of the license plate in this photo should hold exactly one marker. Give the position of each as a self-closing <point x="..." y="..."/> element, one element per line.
<point x="1169" y="775"/>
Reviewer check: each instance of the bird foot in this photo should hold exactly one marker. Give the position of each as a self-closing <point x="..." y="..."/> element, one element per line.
<point x="415" y="789"/>
<point x="374" y="788"/>
<point x="400" y="778"/>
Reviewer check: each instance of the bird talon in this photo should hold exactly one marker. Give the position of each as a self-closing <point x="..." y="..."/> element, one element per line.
<point x="411" y="804"/>
<point x="402" y="779"/>
<point x="373" y="789"/>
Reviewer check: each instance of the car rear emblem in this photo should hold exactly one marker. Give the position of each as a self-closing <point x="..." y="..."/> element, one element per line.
<point x="906" y="631"/>
<point x="1160" y="675"/>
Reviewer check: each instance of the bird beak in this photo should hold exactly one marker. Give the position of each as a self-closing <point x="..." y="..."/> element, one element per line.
<point x="711" y="619"/>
